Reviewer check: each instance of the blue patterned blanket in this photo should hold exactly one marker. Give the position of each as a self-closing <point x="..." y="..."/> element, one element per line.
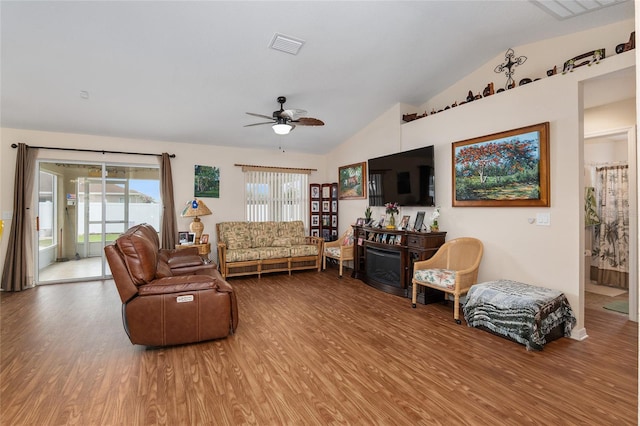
<point x="519" y="311"/>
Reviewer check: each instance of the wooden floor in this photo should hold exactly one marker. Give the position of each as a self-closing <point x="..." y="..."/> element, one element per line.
<point x="311" y="349"/>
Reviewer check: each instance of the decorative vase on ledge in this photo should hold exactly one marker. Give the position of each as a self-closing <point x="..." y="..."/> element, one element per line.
<point x="392" y="221"/>
<point x="434" y="226"/>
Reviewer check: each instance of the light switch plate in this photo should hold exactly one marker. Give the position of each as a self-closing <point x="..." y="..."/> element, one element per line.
<point x="543" y="219"/>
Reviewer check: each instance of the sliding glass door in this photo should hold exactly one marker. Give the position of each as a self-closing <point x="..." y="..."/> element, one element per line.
<point x="83" y="207"/>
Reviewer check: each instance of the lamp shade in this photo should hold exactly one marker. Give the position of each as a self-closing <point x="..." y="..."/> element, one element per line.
<point x="195" y="208"/>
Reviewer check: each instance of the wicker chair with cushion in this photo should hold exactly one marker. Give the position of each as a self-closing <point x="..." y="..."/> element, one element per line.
<point x="453" y="270"/>
<point x="340" y="250"/>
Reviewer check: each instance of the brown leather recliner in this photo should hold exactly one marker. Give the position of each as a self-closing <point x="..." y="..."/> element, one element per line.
<point x="163" y="306"/>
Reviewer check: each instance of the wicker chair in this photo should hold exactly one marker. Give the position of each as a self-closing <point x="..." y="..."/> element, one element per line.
<point x="340" y="250"/>
<point x="453" y="270"/>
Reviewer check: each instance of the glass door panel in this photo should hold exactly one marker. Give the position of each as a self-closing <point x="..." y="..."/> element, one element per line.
<point x="84" y="207"/>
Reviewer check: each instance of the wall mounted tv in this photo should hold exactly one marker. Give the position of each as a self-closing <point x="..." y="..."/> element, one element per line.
<point x="407" y="178"/>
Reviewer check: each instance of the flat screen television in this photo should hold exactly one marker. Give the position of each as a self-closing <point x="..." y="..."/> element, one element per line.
<point x="407" y="178"/>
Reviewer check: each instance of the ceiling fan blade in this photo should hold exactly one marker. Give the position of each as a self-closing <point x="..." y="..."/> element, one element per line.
<point x="260" y="115"/>
<point x="258" y="124"/>
<point x="308" y="121"/>
<point x="292" y="113"/>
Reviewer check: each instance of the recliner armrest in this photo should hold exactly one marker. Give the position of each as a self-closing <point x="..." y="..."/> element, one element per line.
<point x="178" y="284"/>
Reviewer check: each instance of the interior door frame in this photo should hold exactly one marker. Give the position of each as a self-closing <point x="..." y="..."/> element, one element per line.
<point x="632" y="153"/>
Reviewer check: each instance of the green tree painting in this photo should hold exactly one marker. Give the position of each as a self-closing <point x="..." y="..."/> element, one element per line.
<point x="207" y="182"/>
<point x="503" y="169"/>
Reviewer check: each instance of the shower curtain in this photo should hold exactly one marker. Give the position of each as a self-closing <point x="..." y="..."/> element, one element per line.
<point x="610" y="251"/>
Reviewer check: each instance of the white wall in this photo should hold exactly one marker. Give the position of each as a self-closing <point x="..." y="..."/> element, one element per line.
<point x="230" y="205"/>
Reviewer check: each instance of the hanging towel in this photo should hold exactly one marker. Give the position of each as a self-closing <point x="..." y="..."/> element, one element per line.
<point x="590" y="213"/>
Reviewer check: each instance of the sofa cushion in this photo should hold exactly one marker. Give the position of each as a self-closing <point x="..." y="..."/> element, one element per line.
<point x="235" y="235"/>
<point x="304" y="250"/>
<point x="263" y="233"/>
<point x="293" y="229"/>
<point x="242" y="255"/>
<point x="274" y="252"/>
<point x="281" y="242"/>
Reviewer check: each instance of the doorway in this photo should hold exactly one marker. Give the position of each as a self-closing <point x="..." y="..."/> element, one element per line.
<point x="82" y="207"/>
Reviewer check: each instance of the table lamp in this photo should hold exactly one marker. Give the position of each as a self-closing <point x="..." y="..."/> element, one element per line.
<point x="195" y="208"/>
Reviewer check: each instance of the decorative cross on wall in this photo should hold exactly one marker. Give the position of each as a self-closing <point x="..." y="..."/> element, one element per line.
<point x="510" y="63"/>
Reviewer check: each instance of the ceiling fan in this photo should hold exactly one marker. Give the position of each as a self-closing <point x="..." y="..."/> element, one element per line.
<point x="285" y="120"/>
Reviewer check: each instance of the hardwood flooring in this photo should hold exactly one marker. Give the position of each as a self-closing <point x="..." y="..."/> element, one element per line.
<point x="310" y="349"/>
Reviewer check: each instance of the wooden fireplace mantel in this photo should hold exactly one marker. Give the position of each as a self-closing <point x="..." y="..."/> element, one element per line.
<point x="409" y="245"/>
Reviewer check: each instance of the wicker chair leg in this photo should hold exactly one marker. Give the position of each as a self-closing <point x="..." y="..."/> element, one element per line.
<point x="456" y="308"/>
<point x="414" y="294"/>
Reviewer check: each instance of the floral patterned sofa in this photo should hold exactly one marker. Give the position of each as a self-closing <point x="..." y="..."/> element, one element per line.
<point x="247" y="248"/>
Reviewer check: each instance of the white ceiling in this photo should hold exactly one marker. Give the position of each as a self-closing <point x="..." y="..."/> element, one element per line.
<point x="188" y="71"/>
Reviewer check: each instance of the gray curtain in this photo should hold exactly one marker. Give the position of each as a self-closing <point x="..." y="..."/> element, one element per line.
<point x="17" y="273"/>
<point x="168" y="225"/>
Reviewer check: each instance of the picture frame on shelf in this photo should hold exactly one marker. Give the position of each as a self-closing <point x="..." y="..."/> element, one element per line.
<point x="183" y="237"/>
<point x="417" y="226"/>
<point x="404" y="223"/>
<point x="381" y="221"/>
<point x="518" y="175"/>
<point x="204" y="239"/>
<point x="360" y="221"/>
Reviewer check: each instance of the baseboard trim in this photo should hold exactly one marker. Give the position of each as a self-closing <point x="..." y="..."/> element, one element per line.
<point x="579" y="334"/>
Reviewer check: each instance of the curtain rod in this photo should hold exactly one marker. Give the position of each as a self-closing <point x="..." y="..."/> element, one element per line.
<point x="13" y="145"/>
<point x="250" y="167"/>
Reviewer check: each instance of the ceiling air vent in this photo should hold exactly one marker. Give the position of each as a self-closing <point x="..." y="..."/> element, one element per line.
<point x="564" y="9"/>
<point x="286" y="44"/>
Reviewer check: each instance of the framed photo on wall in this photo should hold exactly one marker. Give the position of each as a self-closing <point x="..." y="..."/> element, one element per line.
<point x="315" y="207"/>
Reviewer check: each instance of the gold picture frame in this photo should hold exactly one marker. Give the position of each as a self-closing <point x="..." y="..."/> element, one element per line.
<point x="352" y="181"/>
<point x="506" y="169"/>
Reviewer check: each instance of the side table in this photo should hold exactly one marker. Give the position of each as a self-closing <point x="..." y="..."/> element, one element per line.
<point x="203" y="249"/>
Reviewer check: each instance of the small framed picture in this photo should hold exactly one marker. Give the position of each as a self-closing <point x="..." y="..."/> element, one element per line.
<point x="334" y="206"/>
<point x="183" y="237"/>
<point x="334" y="220"/>
<point x="315" y="207"/>
<point x="360" y="221"/>
<point x="398" y="240"/>
<point x="419" y="220"/>
<point x="392" y="239"/>
<point x="404" y="223"/>
<point x="315" y="232"/>
<point x="334" y="191"/>
<point x="326" y="191"/>
<point x="381" y="221"/>
<point x="334" y="233"/>
<point x="204" y="239"/>
<point x="326" y="206"/>
<point x="315" y="220"/>
<point x="315" y="191"/>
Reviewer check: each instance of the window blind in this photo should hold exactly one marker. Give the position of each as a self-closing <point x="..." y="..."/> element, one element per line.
<point x="276" y="196"/>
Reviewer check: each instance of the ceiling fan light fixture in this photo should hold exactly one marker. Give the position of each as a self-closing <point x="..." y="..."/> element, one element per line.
<point x="281" y="128"/>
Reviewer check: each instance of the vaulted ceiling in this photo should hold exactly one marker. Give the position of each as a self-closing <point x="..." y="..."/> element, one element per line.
<point x="189" y="71"/>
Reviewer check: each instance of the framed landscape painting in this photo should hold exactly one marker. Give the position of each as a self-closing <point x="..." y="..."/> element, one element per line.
<point x="506" y="169"/>
<point x="352" y="182"/>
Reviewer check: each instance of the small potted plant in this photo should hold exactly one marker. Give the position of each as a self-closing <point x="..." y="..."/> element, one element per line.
<point x="434" y="219"/>
<point x="367" y="214"/>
